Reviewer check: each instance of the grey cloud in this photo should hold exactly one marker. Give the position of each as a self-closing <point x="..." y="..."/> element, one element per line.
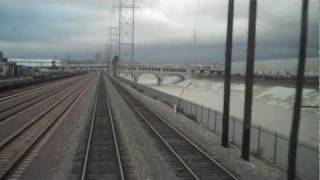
<point x="164" y="29"/>
<point x="54" y="28"/>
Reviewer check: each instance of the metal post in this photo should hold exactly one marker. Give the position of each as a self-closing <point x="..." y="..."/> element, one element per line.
<point x="201" y="114"/>
<point x="132" y="45"/>
<point x="186" y="107"/>
<point x="258" y="143"/>
<point x="196" y="112"/>
<point x="208" y="118"/>
<point x="119" y="33"/>
<point x="293" y="140"/>
<point x="182" y="106"/>
<point x="249" y="80"/>
<point x="191" y="108"/>
<point x="227" y="74"/>
<point x="233" y="130"/>
<point x="275" y="147"/>
<point x="215" y="121"/>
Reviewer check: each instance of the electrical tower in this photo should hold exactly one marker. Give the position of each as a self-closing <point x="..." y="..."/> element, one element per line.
<point x="112" y="46"/>
<point x="113" y="41"/>
<point x="126" y="30"/>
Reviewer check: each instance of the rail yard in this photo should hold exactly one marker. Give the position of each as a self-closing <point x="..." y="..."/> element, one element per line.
<point x="94" y="126"/>
<point x="159" y="90"/>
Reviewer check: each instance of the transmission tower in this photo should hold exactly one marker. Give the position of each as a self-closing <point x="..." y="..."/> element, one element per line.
<point x="113" y="41"/>
<point x="112" y="45"/>
<point x="126" y="30"/>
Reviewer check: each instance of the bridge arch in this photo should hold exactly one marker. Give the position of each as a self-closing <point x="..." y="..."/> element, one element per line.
<point x="166" y="77"/>
<point x="149" y="78"/>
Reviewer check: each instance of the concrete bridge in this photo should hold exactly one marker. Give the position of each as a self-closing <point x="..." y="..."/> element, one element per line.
<point x="158" y="70"/>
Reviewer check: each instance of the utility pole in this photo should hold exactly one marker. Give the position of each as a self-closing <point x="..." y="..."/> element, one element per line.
<point x="133" y="31"/>
<point x="293" y="140"/>
<point x="245" y="154"/>
<point x="227" y="77"/>
<point x="119" y="28"/>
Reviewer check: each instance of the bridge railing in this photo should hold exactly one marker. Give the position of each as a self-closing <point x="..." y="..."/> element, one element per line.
<point x="265" y="143"/>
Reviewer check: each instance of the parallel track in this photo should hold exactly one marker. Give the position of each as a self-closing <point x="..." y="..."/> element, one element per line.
<point x="30" y="91"/>
<point x="31" y="99"/>
<point x="16" y="146"/>
<point x="199" y="164"/>
<point x="102" y="159"/>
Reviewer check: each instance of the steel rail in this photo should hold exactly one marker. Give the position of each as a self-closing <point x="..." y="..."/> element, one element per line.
<point x="162" y="119"/>
<point x="36" y="89"/>
<point x="12" y="161"/>
<point x="165" y="142"/>
<point x="158" y="135"/>
<point x="186" y="138"/>
<point x="30" y="102"/>
<point x="85" y="163"/>
<point x="34" y="120"/>
<point x="115" y="139"/>
<point x="102" y="95"/>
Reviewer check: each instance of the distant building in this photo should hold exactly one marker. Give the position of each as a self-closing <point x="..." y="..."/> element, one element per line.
<point x="41" y="63"/>
<point x="9" y="69"/>
<point x="4" y="68"/>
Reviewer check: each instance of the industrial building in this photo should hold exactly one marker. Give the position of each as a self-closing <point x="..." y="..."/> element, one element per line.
<point x="9" y="69"/>
<point x="40" y="63"/>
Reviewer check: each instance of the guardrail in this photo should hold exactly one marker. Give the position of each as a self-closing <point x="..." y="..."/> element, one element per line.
<point x="266" y="144"/>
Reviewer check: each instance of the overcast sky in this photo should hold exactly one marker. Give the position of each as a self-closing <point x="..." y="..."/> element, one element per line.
<point x="164" y="29"/>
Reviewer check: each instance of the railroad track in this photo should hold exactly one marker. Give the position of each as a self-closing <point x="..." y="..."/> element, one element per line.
<point x="15" y="147"/>
<point x="13" y="106"/>
<point x="102" y="158"/>
<point x="6" y="97"/>
<point x="199" y="164"/>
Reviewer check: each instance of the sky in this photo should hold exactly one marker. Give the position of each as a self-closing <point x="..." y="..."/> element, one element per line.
<point x="164" y="29"/>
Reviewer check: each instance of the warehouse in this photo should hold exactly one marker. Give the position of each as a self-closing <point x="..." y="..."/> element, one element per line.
<point x="40" y="63"/>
